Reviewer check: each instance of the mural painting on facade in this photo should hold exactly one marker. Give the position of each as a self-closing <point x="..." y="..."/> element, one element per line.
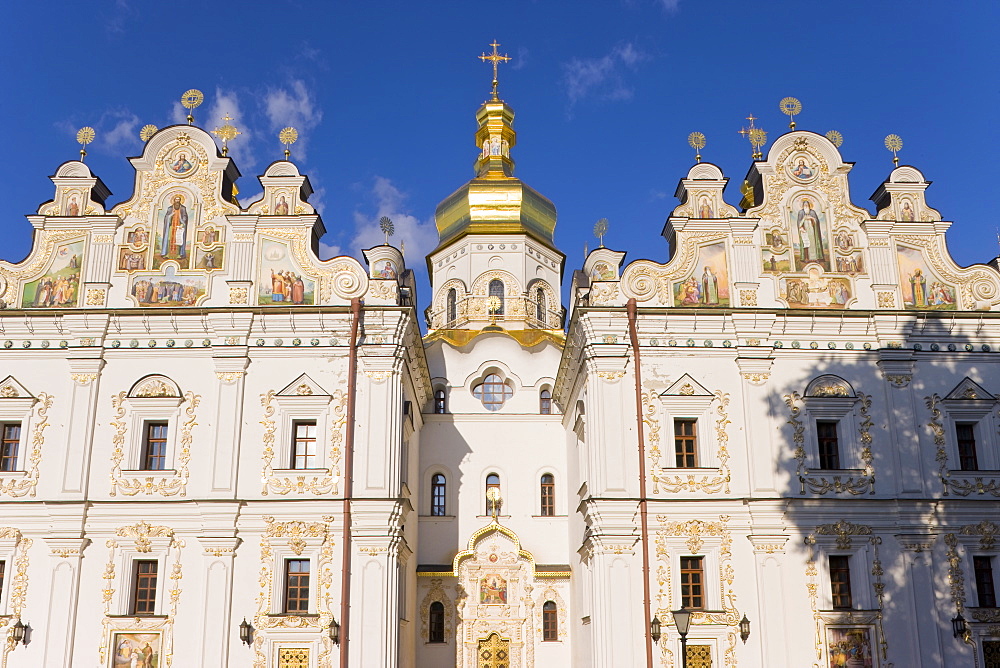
<point x="281" y="204"/>
<point x="708" y="284"/>
<point x="850" y="647"/>
<point x="384" y="269"/>
<point x="210" y="258"/>
<point x="777" y="262"/>
<point x="130" y="260"/>
<point x="850" y="264"/>
<point x="802" y="169"/>
<point x="173" y="219"/>
<point x="493" y="590"/>
<point x="167" y="289"/>
<point x="181" y="163"/>
<point x="816" y="290"/>
<point x="906" y="212"/>
<point x="209" y="235"/>
<point x="138" y="236"/>
<point x="603" y="272"/>
<point x="809" y="241"/>
<point x="921" y="288"/>
<point x="73" y="205"/>
<point x="60" y="286"/>
<point x="705" y="207"/>
<point x="136" y="650"/>
<point x="279" y="278"/>
<point x="844" y="240"/>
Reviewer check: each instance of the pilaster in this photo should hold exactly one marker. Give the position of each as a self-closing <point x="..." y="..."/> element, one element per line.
<point x="65" y="555"/>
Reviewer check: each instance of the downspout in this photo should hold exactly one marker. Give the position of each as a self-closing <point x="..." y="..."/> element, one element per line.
<point x="345" y="582"/>
<point x="643" y="519"/>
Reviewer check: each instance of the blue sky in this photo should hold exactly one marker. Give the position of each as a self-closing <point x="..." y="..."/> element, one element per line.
<point x="606" y="91"/>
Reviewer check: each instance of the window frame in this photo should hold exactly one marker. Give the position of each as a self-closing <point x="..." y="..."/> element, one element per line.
<point x="968" y="460"/>
<point x="451" y="306"/>
<point x="147" y="458"/>
<point x="550" y="621"/>
<point x="486" y="491"/>
<point x="686" y="439"/>
<point x="545" y="401"/>
<point x="688" y="600"/>
<point x="832" y="455"/>
<point x="843" y="568"/>
<point x="842" y="410"/>
<point x="501" y="293"/>
<point x="286" y="586"/>
<point x="440" y="401"/>
<point x="297" y="441"/>
<point x="134" y="591"/>
<point x="506" y="390"/>
<point x="436" y="624"/>
<point x="146" y="410"/>
<point x="984" y="578"/>
<point x="292" y="408"/>
<point x="547" y="495"/>
<point x="15" y="458"/>
<point x="698" y="407"/>
<point x="439" y="495"/>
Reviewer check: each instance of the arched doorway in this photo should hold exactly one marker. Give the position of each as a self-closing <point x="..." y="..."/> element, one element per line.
<point x="494" y="652"/>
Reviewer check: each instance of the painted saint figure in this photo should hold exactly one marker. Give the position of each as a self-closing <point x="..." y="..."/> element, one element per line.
<point x="182" y="165"/>
<point x="802" y="170"/>
<point x="175" y="222"/>
<point x="906" y="215"/>
<point x="709" y="288"/>
<point x="281" y="208"/>
<point x="810" y="234"/>
<point x="704" y="208"/>
<point x="74" y="207"/>
<point x="918" y="288"/>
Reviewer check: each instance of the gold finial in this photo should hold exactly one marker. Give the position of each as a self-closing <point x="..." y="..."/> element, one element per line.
<point x="288" y="136"/>
<point x="600" y="229"/>
<point x="493" y="494"/>
<point x="790" y="106"/>
<point x="225" y="133"/>
<point x="835" y="138"/>
<point x="496" y="59"/>
<point x="385" y="224"/>
<point x="147" y="131"/>
<point x="894" y="144"/>
<point x="493" y="305"/>
<point x="757" y="137"/>
<point x="696" y="140"/>
<point x="190" y="100"/>
<point x="84" y="136"/>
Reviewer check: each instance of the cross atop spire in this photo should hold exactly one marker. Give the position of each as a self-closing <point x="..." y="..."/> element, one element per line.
<point x="496" y="59"/>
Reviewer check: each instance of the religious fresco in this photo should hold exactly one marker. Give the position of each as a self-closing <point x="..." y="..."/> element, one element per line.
<point x="279" y="277"/>
<point x="130" y="260"/>
<point x="705" y="207"/>
<point x="850" y="647"/>
<point x="921" y="288"/>
<point x="779" y="263"/>
<point x="493" y="590"/>
<point x="167" y="289"/>
<point x="816" y="290"/>
<point x="801" y="168"/>
<point x="72" y="207"/>
<point x="384" y="269"/>
<point x="281" y="203"/>
<point x="810" y="240"/>
<point x="708" y="284"/>
<point x="209" y="259"/>
<point x="181" y="162"/>
<point x="174" y="218"/>
<point x="602" y="271"/>
<point x="60" y="285"/>
<point x="136" y="650"/>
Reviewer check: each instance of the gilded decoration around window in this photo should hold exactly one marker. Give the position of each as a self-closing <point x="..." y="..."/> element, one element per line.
<point x="987" y="532"/>
<point x="27" y="483"/>
<point x="327" y="481"/>
<point x="711" y="481"/>
<point x="436" y="594"/>
<point x="18" y="587"/>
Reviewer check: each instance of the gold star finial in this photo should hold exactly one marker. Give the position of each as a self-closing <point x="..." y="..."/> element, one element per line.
<point x="84" y="136"/>
<point x="894" y="144"/>
<point x="496" y="59"/>
<point x="191" y="100"/>
<point x="756" y="136"/>
<point x="226" y="133"/>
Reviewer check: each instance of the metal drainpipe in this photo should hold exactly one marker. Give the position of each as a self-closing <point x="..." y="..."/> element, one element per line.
<point x="644" y="522"/>
<point x="345" y="582"/>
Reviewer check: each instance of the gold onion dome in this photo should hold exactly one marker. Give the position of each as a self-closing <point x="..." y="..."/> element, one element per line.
<point x="495" y="202"/>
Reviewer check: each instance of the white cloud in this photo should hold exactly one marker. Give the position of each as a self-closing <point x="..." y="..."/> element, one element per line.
<point x="178" y="114"/>
<point x="419" y="237"/>
<point x="227" y="102"/>
<point x="601" y="78"/>
<point x="326" y="251"/>
<point x="669" y="5"/>
<point x="521" y="59"/>
<point x="123" y="134"/>
<point x="296" y="108"/>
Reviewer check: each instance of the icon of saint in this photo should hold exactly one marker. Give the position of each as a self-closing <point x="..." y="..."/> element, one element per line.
<point x="175" y="223"/>
<point x="73" y="209"/>
<point x="906" y="214"/>
<point x="918" y="287"/>
<point x="281" y="208"/>
<point x="810" y="234"/>
<point x="182" y="165"/>
<point x="802" y="170"/>
<point x="709" y="288"/>
<point x="704" y="208"/>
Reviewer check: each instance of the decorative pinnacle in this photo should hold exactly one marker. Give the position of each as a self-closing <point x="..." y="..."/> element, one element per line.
<point x="288" y="136"/>
<point x="835" y="138"/>
<point x="600" y="229"/>
<point x="894" y="144"/>
<point x="696" y="140"/>
<point x="385" y="224"/>
<point x="191" y="100"/>
<point x="225" y="133"/>
<point x="790" y="106"/>
<point x="147" y="131"/>
<point x="757" y="137"/>
<point x="496" y="59"/>
<point x="84" y="136"/>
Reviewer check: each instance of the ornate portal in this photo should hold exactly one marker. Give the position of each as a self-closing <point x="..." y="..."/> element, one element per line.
<point x="494" y="652"/>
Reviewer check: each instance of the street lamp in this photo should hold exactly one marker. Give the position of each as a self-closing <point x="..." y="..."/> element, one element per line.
<point x="334" y="632"/>
<point x="959" y="626"/>
<point x="17" y="632"/>
<point x="654" y="629"/>
<point x="744" y="629"/>
<point x="682" y="619"/>
<point x="246" y="632"/>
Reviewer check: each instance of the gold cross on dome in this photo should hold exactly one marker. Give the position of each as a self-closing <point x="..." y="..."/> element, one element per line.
<point x="496" y="59"/>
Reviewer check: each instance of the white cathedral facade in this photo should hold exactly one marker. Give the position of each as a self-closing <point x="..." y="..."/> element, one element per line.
<point x="217" y="449"/>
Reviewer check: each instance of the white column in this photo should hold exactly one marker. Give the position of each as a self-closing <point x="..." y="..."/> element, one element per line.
<point x="64" y="590"/>
<point x="219" y="628"/>
<point x="78" y="444"/>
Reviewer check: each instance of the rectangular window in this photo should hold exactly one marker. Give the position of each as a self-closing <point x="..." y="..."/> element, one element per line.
<point x="686" y="443"/>
<point x="966" y="435"/>
<point x="297" y="586"/>
<point x="840" y="582"/>
<point x="985" y="590"/>
<point x="144" y="592"/>
<point x="304" y="444"/>
<point x="3" y="572"/>
<point x="10" y="439"/>
<point x="154" y="447"/>
<point x="548" y="495"/>
<point x="692" y="582"/>
<point x="829" y="447"/>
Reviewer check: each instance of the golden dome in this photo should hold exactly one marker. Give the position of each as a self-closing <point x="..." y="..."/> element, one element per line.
<point x="495" y="202"/>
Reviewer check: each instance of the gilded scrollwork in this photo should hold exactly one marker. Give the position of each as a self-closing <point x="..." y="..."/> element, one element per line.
<point x="987" y="532"/>
<point x="18" y="588"/>
<point x="436" y="593"/>
<point x="645" y="280"/>
<point x="27" y="484"/>
<point x="325" y="481"/>
<point x="978" y="285"/>
<point x="168" y="483"/>
<point x="46" y="240"/>
<point x="712" y="481"/>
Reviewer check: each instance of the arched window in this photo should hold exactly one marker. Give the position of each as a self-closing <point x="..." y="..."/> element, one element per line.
<point x="492" y="482"/>
<point x="452" y="305"/>
<point x="540" y="305"/>
<point x="435" y="622"/>
<point x="496" y="290"/>
<point x="545" y="402"/>
<point x="493" y="392"/>
<point x="439" y="486"/>
<point x="548" y="495"/>
<point x="550" y="622"/>
<point x="440" y="404"/>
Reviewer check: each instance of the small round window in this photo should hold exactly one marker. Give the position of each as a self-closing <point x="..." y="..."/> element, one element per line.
<point x="493" y="392"/>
